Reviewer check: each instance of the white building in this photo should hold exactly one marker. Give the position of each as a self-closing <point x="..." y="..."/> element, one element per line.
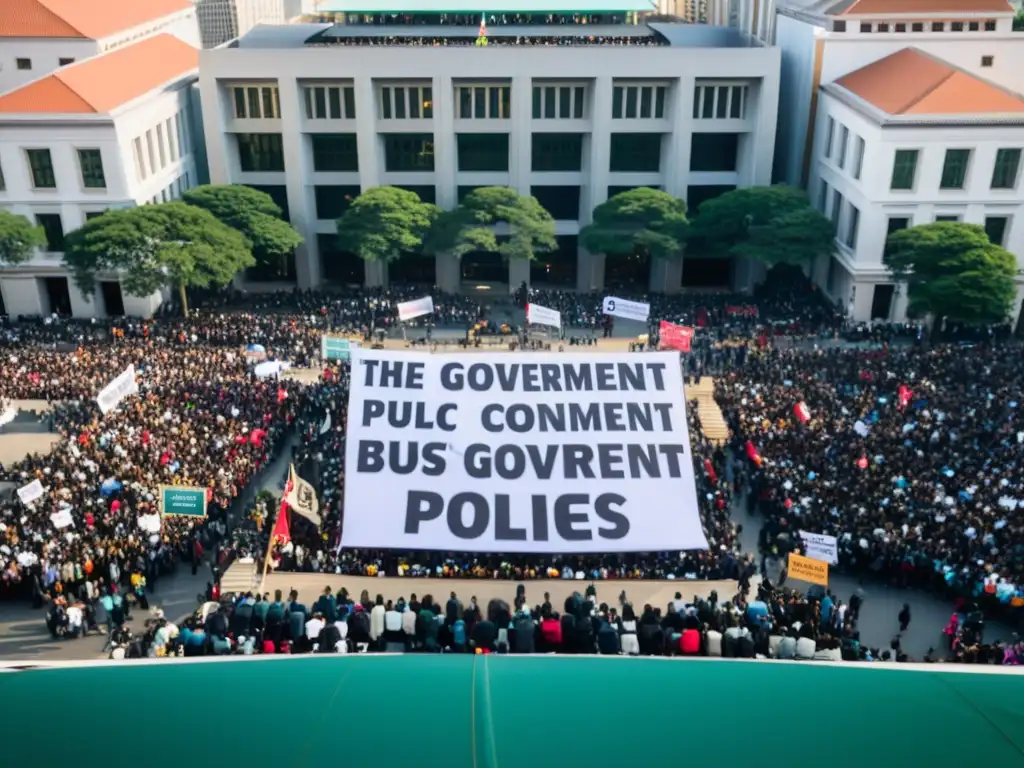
<point x="753" y="17"/>
<point x="313" y="117"/>
<point x="221" y="21"/>
<point x="38" y="37"/>
<point x="113" y="131"/>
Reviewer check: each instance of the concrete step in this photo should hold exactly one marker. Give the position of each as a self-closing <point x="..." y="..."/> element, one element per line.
<point x="240" y="577"/>
<point x="711" y="419"/>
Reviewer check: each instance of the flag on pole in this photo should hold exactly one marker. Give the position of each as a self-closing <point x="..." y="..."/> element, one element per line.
<point x="282" y="532"/>
<point x="301" y="497"/>
<point x="802" y="412"/>
<point x="483" y="25"/>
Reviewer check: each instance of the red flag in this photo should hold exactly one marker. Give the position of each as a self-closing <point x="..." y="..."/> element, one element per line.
<point x="282" y="532"/>
<point x="710" y="469"/>
<point x="282" y="394"/>
<point x="752" y="453"/>
<point x="802" y="412"/>
<point x="675" y="336"/>
<point x="904" y="394"/>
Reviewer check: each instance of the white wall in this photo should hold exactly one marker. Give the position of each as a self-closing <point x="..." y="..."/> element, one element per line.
<point x="44" y="56"/>
<point x="796" y="41"/>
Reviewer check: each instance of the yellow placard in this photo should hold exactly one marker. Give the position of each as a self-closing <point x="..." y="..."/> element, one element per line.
<point x="808" y="569"/>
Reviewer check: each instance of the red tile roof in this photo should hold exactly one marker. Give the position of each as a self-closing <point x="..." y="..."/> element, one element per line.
<point x="103" y="83"/>
<point x="83" y="19"/>
<point x="910" y="82"/>
<point x="890" y="7"/>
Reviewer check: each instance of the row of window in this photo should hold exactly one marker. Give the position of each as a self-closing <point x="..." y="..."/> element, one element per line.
<point x="919" y="26"/>
<point x="719" y="102"/>
<point x="841" y="152"/>
<point x="334" y="102"/>
<point x="643" y="101"/>
<point x="414" y="152"/>
<point x="25" y="65"/>
<point x="174" y="190"/>
<point x="406" y="102"/>
<point x="955" y="167"/>
<point x="257" y="102"/>
<point x="161" y="146"/>
<point x="40" y="164"/>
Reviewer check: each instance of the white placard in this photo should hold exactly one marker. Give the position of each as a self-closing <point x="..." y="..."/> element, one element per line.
<point x="62" y="519"/>
<point x="150" y="523"/>
<point x="270" y="368"/>
<point x="407" y="310"/>
<point x="626" y="309"/>
<point x="9" y="415"/>
<point x="531" y="452"/>
<point x="819" y="546"/>
<point x="118" y="390"/>
<point x="538" y="315"/>
<point x="31" y="492"/>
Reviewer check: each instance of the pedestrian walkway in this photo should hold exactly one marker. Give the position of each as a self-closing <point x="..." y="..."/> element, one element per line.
<point x="711" y="418"/>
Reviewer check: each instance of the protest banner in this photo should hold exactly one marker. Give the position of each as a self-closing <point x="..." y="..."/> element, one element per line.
<point x="820" y="546"/>
<point x="742" y="310"/>
<point x="177" y="500"/>
<point x="150" y="523"/>
<point x="62" y="518"/>
<point x="117" y="390"/>
<point x="532" y="453"/>
<point x="31" y="492"/>
<point x="626" y="309"/>
<point x="335" y="347"/>
<point x="538" y="315"/>
<point x="808" y="569"/>
<point x="672" y="336"/>
<point x="409" y="310"/>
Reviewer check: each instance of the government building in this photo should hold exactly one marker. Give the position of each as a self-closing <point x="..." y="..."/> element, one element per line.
<point x="571" y="107"/>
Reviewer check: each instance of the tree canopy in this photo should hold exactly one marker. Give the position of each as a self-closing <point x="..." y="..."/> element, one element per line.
<point x="776" y="225"/>
<point x="953" y="271"/>
<point x="385" y="222"/>
<point x="157" y="245"/>
<point x="19" y="238"/>
<point x="643" y="221"/>
<point x="251" y="212"/>
<point x="470" y="226"/>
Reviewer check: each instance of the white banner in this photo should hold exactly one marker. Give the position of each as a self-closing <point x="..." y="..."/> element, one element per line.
<point x="150" y="523"/>
<point x="271" y="368"/>
<point x="539" y="315"/>
<point x="118" y="390"/>
<point x="531" y="452"/>
<point x="9" y="415"/>
<point x="31" y="492"/>
<point x="626" y="309"/>
<point x="818" y="546"/>
<point x="407" y="310"/>
<point x="62" y="519"/>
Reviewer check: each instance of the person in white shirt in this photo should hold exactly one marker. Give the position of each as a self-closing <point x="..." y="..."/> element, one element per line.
<point x="342" y="645"/>
<point x="377" y="619"/>
<point x="313" y="629"/>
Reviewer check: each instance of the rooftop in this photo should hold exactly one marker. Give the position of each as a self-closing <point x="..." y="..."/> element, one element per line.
<point x="81" y="19"/>
<point x="342" y="31"/>
<point x="913" y="83"/>
<point x="101" y="84"/>
<point x="904" y="8"/>
<point x="467" y="711"/>
<point x="488" y="6"/>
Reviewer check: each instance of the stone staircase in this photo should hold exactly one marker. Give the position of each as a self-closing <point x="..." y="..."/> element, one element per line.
<point x="240" y="577"/>
<point x="711" y="418"/>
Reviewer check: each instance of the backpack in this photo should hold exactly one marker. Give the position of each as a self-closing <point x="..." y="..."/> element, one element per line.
<point x="524" y="634"/>
<point x="551" y="631"/>
<point x="268" y="646"/>
<point x="607" y="639"/>
<point x="459" y="633"/>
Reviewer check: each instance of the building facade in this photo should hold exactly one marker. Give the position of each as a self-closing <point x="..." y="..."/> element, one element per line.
<point x="38" y="37"/>
<point x="83" y="140"/>
<point x="221" y="21"/>
<point x="316" y="124"/>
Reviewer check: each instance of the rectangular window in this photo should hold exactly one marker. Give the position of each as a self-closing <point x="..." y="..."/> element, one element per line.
<point x="830" y="131"/>
<point x="140" y="166"/>
<point x="617" y="93"/>
<point x="865" y="26"/>
<point x="660" y="94"/>
<point x="917" y="26"/>
<point x="549" y="102"/>
<point x="577" y="103"/>
<point x="408" y="152"/>
<point x="41" y="165"/>
<point x="844" y="140"/>
<point x="972" y="26"/>
<point x="65" y="62"/>
<point x="956" y="26"/>
<point x="53" y="227"/>
<point x="858" y="157"/>
<point x="631" y="98"/>
<point x="415" y="104"/>
<point x="172" y="144"/>
<point x="938" y="26"/>
<point x="838" y="26"/>
<point x="739" y="95"/>
<point x="465" y="103"/>
<point x="335" y="152"/>
<point x="428" y="102"/>
<point x="837" y="210"/>
<point x="556" y="152"/>
<point x="349" y="96"/>
<point x="697" y="93"/>
<point x="260" y="152"/>
<point x="646" y="97"/>
<point x="93" y="214"/>
<point x="179" y="123"/>
<point x="995" y="228"/>
<point x="307" y="98"/>
<point x="150" y="152"/>
<point x="901" y="27"/>
<point x="852" y="222"/>
<point x="904" y="169"/>
<point x="564" y="102"/>
<point x="239" y="102"/>
<point x="91" y="163"/>
<point x="987" y="61"/>
<point x="707" y="105"/>
<point x="160" y="145"/>
<point x="947" y="218"/>
<point x="333" y="201"/>
<point x="990" y="26"/>
<point x="538" y="94"/>
<point x="722" y="103"/>
<point x="823" y="197"/>
<point x="714" y="151"/>
<point x="334" y="103"/>
<point x="400" y="103"/>
<point x="269" y="102"/>
<point x="254" y="102"/>
<point x="1004" y="174"/>
<point x="483" y="151"/>
<point x="385" y="103"/>
<point x="635" y="152"/>
<point x="24" y="64"/>
<point x="954" y="169"/>
<point x="883" y="27"/>
<point x="480" y="103"/>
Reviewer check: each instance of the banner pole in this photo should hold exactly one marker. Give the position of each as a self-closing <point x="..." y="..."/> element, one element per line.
<point x="266" y="560"/>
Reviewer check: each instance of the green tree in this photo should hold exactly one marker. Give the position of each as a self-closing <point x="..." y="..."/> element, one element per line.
<point x="19" y="238"/>
<point x="470" y="226"/>
<point x="953" y="271"/>
<point x="251" y="212"/>
<point x="384" y="222"/>
<point x="642" y="221"/>
<point x="776" y="225"/>
<point x="153" y="246"/>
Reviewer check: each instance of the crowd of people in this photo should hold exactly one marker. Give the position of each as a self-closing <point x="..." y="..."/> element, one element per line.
<point x="501" y="40"/>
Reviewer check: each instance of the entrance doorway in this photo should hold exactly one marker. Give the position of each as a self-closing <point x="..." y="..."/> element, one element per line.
<point x="627" y="271"/>
<point x="707" y="273"/>
<point x="339" y="267"/>
<point x="881" y="302"/>
<point x="113" y="301"/>
<point x="58" y="296"/>
<point x="558" y="267"/>
<point x="484" y="267"/>
<point x="412" y="268"/>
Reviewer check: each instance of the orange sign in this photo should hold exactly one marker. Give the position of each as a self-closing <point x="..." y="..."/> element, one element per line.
<point x="808" y="569"/>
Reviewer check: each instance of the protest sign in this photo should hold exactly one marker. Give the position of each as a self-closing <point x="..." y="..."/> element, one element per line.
<point x="531" y="453"/>
<point x="271" y="368"/>
<point x="808" y="569"/>
<point x="62" y="518"/>
<point x="408" y="310"/>
<point x="118" y="390"/>
<point x="182" y="501"/>
<point x="820" y="547"/>
<point x="672" y="336"/>
<point x="538" y="315"/>
<point x="335" y="347"/>
<point x="150" y="523"/>
<point x="31" y="492"/>
<point x="628" y="310"/>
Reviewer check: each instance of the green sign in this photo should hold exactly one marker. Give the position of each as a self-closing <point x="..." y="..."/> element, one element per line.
<point x="336" y="348"/>
<point x="186" y="502"/>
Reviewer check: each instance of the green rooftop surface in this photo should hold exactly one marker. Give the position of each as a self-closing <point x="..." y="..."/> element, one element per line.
<point x="461" y="711"/>
<point x="488" y="6"/>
